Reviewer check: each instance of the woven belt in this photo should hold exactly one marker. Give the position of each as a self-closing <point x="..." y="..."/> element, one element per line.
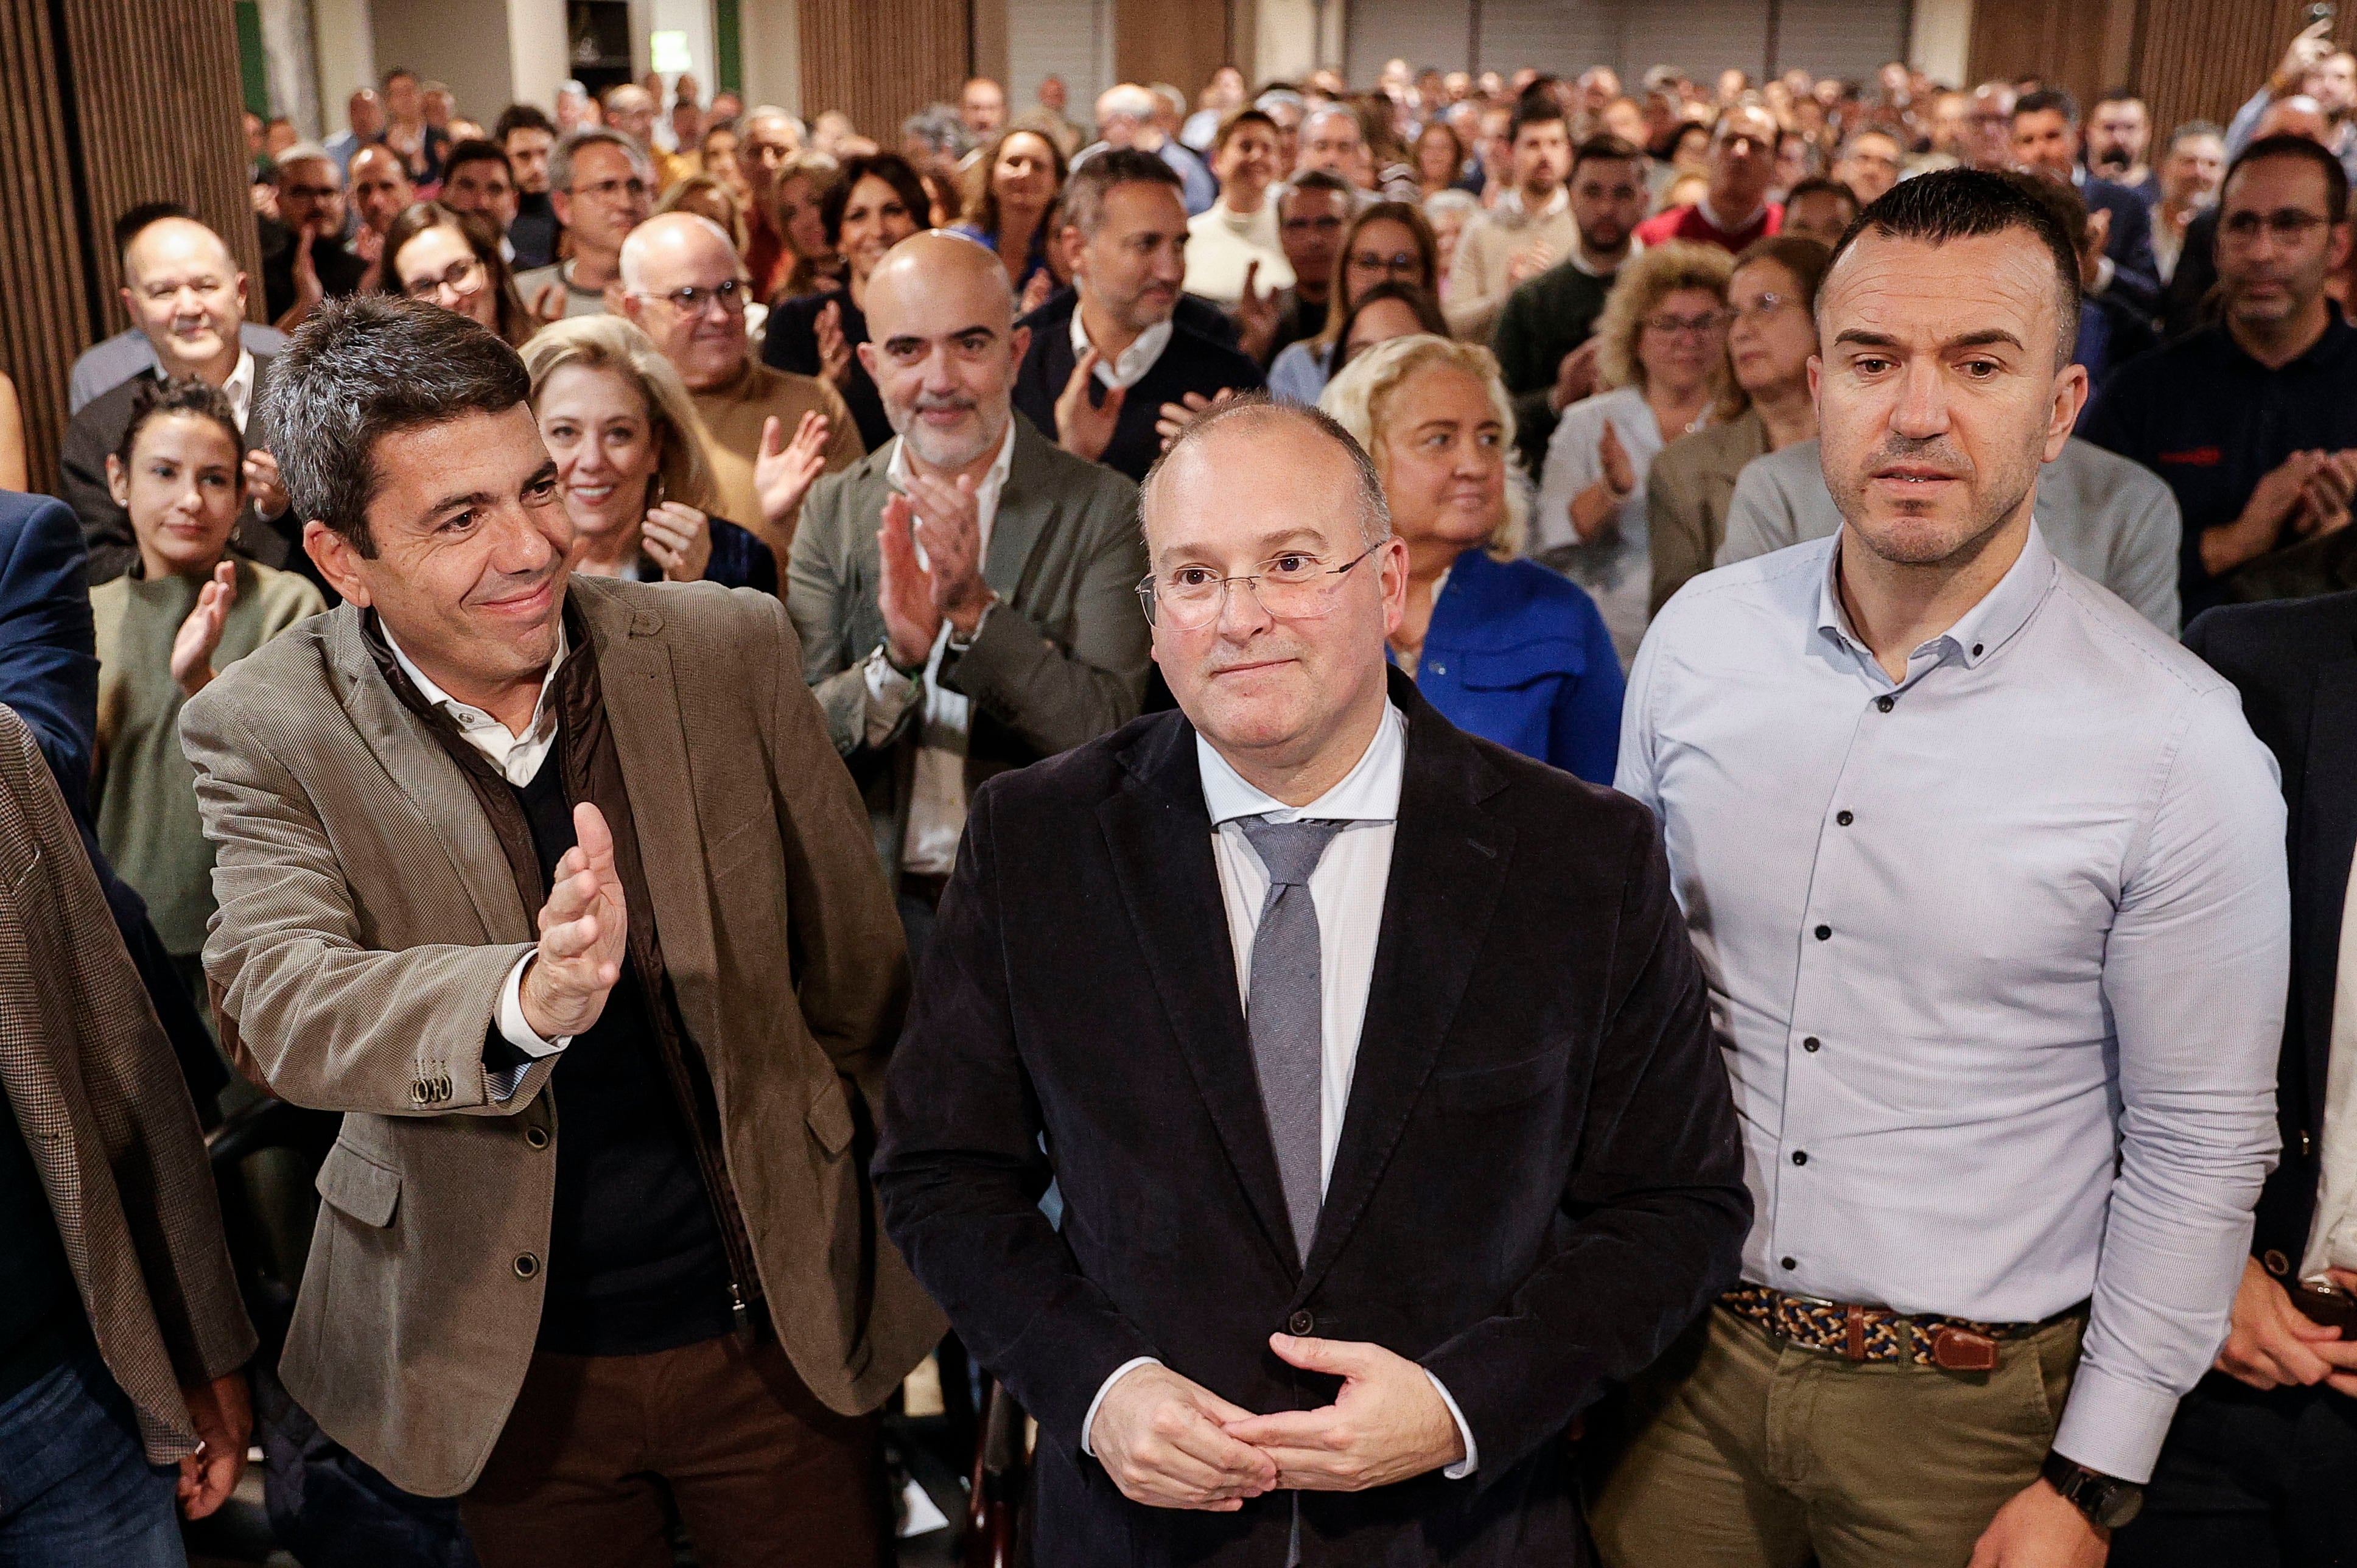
<point x="1877" y="1334"/>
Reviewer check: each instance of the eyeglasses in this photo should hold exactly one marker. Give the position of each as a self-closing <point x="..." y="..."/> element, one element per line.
<point x="1708" y="322"/>
<point x="731" y="294"/>
<point x="2287" y="224"/>
<point x="1296" y="586"/>
<point x="461" y="277"/>
<point x="1760" y="309"/>
<point x="1398" y="264"/>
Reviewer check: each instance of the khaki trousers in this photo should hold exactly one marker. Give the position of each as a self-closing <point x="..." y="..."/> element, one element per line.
<point x="763" y="1475"/>
<point x="1741" y="1450"/>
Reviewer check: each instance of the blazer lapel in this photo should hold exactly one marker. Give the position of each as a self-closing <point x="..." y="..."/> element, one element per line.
<point x="2328" y="839"/>
<point x="1448" y="867"/>
<point x="1024" y="512"/>
<point x="424" y="773"/>
<point x="647" y="719"/>
<point x="1160" y="839"/>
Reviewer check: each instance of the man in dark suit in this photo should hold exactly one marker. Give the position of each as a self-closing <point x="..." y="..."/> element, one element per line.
<point x="183" y="289"/>
<point x="2258" y="1466"/>
<point x="1114" y="367"/>
<point x="2046" y="140"/>
<point x="1375" y="1236"/>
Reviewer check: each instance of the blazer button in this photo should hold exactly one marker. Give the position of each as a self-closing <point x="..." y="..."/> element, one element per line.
<point x="2276" y="1262"/>
<point x="1299" y="1323"/>
<point x="537" y="1137"/>
<point x="417" y="1092"/>
<point x="526" y="1265"/>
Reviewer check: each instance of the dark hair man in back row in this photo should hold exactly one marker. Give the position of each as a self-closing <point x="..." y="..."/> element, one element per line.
<point x="465" y="868"/>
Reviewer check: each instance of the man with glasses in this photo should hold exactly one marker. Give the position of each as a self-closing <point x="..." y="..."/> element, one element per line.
<point x="1988" y="127"/>
<point x="1362" y="1053"/>
<point x="382" y="192"/>
<point x="598" y="182"/>
<point x="1525" y="231"/>
<point x="684" y="287"/>
<point x="2253" y="422"/>
<point x="312" y="261"/>
<point x="1735" y="210"/>
<point x="963" y="593"/>
<point x="1312" y="209"/>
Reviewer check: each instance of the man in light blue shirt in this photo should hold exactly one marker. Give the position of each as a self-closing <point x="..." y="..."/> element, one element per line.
<point x="1986" y="877"/>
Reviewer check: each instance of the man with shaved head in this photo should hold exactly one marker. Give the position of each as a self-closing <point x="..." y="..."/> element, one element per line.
<point x="186" y="292"/>
<point x="684" y="287"/>
<point x="965" y="594"/>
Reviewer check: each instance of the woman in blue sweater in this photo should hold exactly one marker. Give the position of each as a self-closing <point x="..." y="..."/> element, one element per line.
<point x="1502" y="646"/>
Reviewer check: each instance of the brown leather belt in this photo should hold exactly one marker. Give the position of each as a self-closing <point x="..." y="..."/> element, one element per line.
<point x="1877" y="1334"/>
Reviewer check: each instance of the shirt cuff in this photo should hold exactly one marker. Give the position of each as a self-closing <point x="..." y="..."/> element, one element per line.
<point x="513" y="1028"/>
<point x="961" y="644"/>
<point x="1464" y="1466"/>
<point x="2113" y="1426"/>
<point x="2105" y="270"/>
<point x="1089" y="1421"/>
<point x="889" y="693"/>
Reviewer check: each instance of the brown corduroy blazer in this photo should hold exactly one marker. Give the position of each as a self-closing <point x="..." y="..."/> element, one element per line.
<point x="103" y="1108"/>
<point x="369" y="918"/>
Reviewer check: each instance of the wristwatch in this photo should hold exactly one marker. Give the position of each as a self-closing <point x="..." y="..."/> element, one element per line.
<point x="2106" y="1500"/>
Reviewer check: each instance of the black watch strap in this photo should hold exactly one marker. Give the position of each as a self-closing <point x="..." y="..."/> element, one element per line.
<point x="2106" y="1500"/>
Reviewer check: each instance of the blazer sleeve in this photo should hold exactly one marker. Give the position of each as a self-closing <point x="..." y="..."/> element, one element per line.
<point x="49" y="652"/>
<point x="1655" y="1210"/>
<point x="1673" y="521"/>
<point x="331" y="1023"/>
<point x="2145" y="552"/>
<point x="1759" y="519"/>
<point x="961" y="1169"/>
<point x="1056" y="697"/>
<point x="848" y="954"/>
<point x="819" y="584"/>
<point x="81" y="475"/>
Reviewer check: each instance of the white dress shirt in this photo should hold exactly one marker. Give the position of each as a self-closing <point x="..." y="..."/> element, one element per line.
<point x="518" y="759"/>
<point x="239" y="388"/>
<point x="2332" y="1232"/>
<point x="1347" y="890"/>
<point x="1997" y="951"/>
<point x="1130" y="367"/>
<point x="937" y="793"/>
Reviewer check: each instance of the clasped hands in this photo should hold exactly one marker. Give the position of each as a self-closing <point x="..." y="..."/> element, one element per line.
<point x="1171" y="1443"/>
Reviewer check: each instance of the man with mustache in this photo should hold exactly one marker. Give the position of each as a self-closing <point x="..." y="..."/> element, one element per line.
<point x="491" y="837"/>
<point x="1987" y="875"/>
<point x="966" y="594"/>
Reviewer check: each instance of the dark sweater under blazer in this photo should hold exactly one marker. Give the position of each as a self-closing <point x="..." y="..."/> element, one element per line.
<point x="1193" y="362"/>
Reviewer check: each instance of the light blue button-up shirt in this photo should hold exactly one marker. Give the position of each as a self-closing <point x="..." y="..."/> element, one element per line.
<point x="1996" y="952"/>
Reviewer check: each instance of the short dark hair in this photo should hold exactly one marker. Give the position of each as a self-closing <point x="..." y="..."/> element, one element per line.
<point x="521" y="117"/>
<point x="1084" y="193"/>
<point x="2336" y="177"/>
<point x="1419" y="301"/>
<point x="893" y="170"/>
<point x="1822" y="185"/>
<point x="2120" y="94"/>
<point x="1239" y="118"/>
<point x="475" y="150"/>
<point x="1533" y="108"/>
<point x="188" y="396"/>
<point x="363" y="367"/>
<point x="1317" y="180"/>
<point x="395" y="74"/>
<point x="2056" y="99"/>
<point x="1605" y="148"/>
<point x="1968" y="203"/>
<point x="135" y="219"/>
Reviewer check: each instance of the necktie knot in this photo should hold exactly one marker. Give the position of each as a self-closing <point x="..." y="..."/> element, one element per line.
<point x="1290" y="851"/>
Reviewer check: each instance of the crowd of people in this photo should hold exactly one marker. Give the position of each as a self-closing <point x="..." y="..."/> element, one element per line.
<point x="1472" y="822"/>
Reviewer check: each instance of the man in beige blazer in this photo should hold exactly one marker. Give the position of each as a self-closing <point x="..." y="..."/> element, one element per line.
<point x="967" y="596"/>
<point x="123" y="1342"/>
<point x="599" y="1210"/>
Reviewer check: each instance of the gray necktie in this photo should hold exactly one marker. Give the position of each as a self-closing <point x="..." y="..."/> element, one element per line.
<point x="1283" y="1014"/>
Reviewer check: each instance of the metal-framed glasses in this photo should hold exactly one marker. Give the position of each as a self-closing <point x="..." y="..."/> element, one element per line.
<point x="1291" y="586"/>
<point x="2289" y="225"/>
<point x="731" y="294"/>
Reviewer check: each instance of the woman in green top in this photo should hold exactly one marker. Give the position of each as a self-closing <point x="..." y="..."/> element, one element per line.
<point x="186" y="609"/>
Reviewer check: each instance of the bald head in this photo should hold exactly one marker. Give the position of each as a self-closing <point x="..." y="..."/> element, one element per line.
<point x="684" y="287"/>
<point x="944" y="348"/>
<point x="183" y="288"/>
<point x="661" y="252"/>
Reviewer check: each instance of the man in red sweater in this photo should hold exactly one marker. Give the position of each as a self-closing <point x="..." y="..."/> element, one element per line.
<point x="1736" y="210"/>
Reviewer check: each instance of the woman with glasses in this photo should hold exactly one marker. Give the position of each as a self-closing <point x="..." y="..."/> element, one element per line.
<point x="452" y="259"/>
<point x="1662" y="355"/>
<point x="633" y="462"/>
<point x="1387" y="242"/>
<point x="1502" y="646"/>
<point x="1770" y="298"/>
<point x="876" y="202"/>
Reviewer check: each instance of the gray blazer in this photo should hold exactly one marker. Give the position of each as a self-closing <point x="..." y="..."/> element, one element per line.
<point x="1059" y="662"/>
<point x="2104" y="516"/>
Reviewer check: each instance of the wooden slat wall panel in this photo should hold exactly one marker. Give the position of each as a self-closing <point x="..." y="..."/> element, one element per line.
<point x="1182" y="42"/>
<point x="103" y="105"/>
<point x="2201" y="59"/>
<point x="879" y="61"/>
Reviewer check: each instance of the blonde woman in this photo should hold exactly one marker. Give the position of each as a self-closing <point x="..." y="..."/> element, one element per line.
<point x="1662" y="357"/>
<point x="633" y="463"/>
<point x="1503" y="647"/>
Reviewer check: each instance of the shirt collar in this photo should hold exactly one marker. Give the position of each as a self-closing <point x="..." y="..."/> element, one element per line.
<point x="1136" y="359"/>
<point x="1581" y="263"/>
<point x="543" y="712"/>
<point x="1369" y="792"/>
<point x="1710" y="216"/>
<point x="239" y="388"/>
<point x="1512" y="202"/>
<point x="1979" y="633"/>
<point x="986" y="494"/>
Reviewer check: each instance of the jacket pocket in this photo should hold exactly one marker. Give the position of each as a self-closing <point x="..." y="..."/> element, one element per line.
<point x="1511" y="669"/>
<point x="358" y="1187"/>
<point x="1491" y="1088"/>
